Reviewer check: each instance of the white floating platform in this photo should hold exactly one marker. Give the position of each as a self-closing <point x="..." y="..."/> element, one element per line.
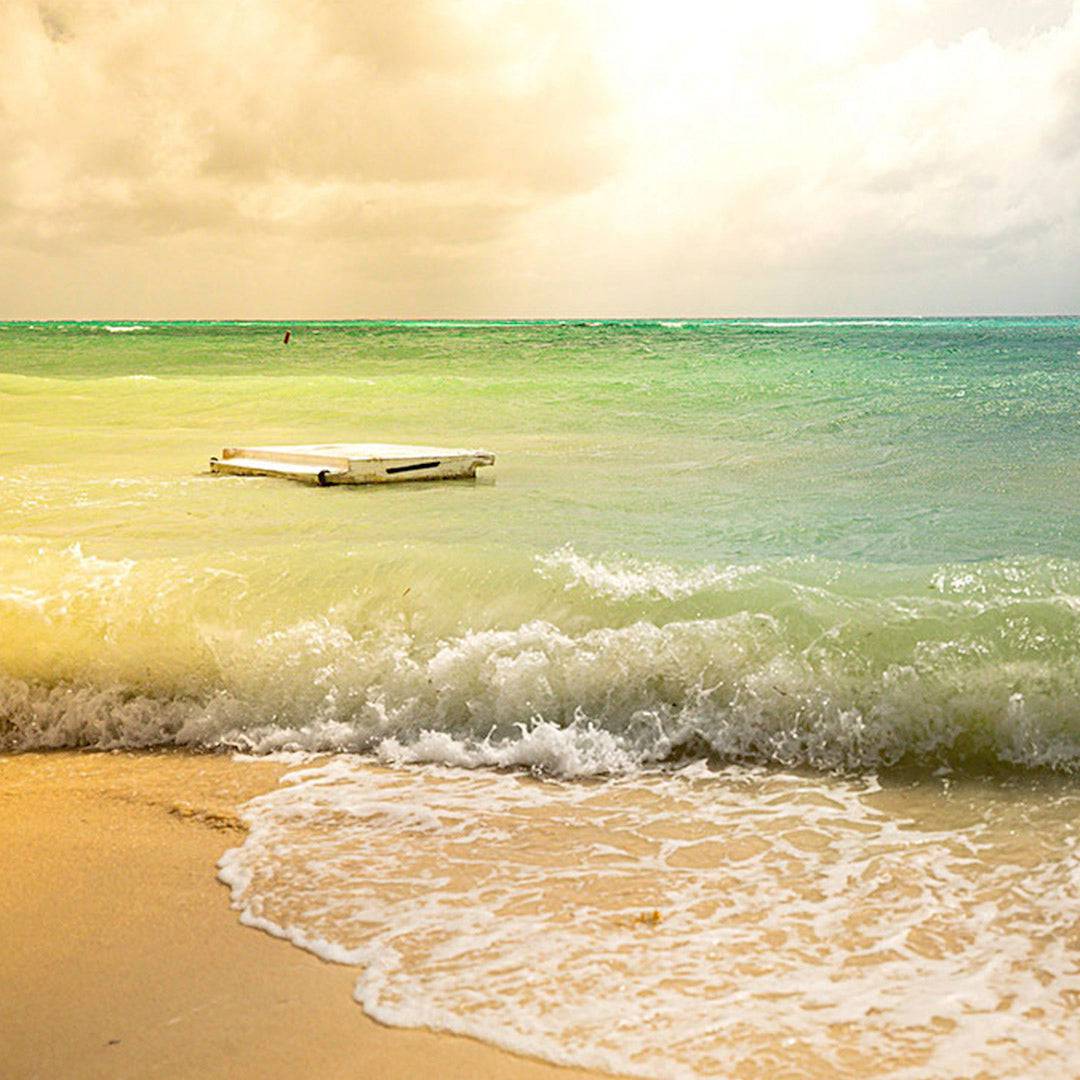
<point x="351" y="463"/>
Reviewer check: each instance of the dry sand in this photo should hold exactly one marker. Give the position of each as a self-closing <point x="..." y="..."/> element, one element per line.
<point x="120" y="956"/>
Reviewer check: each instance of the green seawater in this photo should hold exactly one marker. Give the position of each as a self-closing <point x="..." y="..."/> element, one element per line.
<point x="836" y="543"/>
<point x="784" y="616"/>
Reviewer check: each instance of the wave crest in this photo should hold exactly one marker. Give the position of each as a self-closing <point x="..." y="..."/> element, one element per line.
<point x="628" y="578"/>
<point x="629" y="664"/>
<point x="604" y="701"/>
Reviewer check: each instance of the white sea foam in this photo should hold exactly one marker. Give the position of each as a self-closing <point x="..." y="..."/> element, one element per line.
<point x="797" y="323"/>
<point x="682" y="926"/>
<point x="124" y="329"/>
<point x="604" y="701"/>
<point x="628" y="578"/>
<point x="22" y="597"/>
<point x="582" y="749"/>
<point x="978" y="668"/>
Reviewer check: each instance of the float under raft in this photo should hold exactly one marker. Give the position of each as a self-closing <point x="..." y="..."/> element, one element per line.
<point x="351" y="463"/>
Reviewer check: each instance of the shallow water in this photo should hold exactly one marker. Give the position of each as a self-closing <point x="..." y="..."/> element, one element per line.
<point x="828" y="545"/>
<point x="742" y="923"/>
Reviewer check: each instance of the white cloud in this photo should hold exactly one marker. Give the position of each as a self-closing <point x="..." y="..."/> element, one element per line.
<point x="479" y="157"/>
<point x="817" y="157"/>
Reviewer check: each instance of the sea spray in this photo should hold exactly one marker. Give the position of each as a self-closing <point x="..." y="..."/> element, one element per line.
<point x="793" y="666"/>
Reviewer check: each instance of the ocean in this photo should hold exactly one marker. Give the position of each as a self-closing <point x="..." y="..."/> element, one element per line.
<point x="728" y="726"/>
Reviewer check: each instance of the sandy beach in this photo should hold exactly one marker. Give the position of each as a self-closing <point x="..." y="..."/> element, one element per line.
<point x="121" y="956"/>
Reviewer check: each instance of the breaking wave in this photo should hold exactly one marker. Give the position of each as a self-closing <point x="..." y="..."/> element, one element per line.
<point x="623" y="579"/>
<point x="629" y="664"/>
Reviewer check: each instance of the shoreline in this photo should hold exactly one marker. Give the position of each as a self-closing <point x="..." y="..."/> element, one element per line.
<point x="126" y="959"/>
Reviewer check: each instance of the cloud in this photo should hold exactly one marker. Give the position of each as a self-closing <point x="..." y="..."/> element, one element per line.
<point x="885" y="156"/>
<point x="127" y="120"/>
<point x="543" y="157"/>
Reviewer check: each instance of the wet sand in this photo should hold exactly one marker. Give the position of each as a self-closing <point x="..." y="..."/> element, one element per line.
<point x="122" y="958"/>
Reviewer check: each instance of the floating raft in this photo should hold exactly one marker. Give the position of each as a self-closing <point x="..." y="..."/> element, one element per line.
<point x="351" y="463"/>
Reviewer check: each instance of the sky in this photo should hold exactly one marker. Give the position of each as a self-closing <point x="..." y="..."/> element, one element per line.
<point x="538" y="158"/>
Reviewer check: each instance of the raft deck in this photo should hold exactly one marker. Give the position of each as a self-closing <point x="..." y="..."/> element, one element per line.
<point x="351" y="463"/>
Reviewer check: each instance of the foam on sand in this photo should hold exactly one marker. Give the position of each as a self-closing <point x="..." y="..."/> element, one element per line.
<point x="684" y="925"/>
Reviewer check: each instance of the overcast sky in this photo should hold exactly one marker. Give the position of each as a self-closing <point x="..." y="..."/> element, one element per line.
<point x="538" y="158"/>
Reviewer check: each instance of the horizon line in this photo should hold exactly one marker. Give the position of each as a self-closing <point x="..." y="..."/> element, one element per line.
<point x="512" y="319"/>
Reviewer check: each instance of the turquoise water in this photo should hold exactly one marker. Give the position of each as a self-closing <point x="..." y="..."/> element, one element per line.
<point x="874" y="520"/>
<point x="782" y="616"/>
<point x="915" y="441"/>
